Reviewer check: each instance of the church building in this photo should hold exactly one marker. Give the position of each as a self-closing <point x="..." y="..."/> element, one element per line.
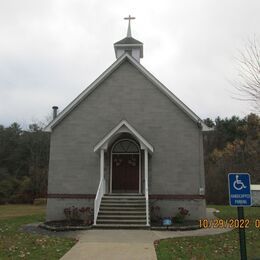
<point x="124" y="145"/>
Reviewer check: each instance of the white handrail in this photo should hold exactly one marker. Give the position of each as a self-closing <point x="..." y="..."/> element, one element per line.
<point x="147" y="207"/>
<point x="146" y="185"/>
<point x="100" y="192"/>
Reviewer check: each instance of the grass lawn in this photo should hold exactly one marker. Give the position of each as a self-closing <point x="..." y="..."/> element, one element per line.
<point x="19" y="245"/>
<point x="18" y="210"/>
<point x="223" y="246"/>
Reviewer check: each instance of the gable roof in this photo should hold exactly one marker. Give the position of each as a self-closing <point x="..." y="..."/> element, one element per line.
<point x="106" y="73"/>
<point x="116" y="129"/>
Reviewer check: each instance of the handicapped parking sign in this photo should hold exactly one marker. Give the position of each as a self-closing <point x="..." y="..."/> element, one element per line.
<point x="239" y="190"/>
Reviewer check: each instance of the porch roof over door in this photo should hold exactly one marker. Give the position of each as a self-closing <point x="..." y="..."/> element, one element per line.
<point x="123" y="127"/>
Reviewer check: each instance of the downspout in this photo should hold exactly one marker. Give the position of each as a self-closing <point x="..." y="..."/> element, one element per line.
<point x="201" y="188"/>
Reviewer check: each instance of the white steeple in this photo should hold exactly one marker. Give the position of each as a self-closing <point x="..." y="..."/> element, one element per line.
<point x="129" y="44"/>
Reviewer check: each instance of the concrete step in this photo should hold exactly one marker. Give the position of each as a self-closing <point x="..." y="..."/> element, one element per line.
<point x="123" y="200"/>
<point x="116" y="204"/>
<point x="121" y="221"/>
<point x="122" y="226"/>
<point x="124" y="197"/>
<point x="121" y="212"/>
<point x="123" y="203"/>
<point x="122" y="208"/>
<point x="121" y="217"/>
<point x="130" y="205"/>
<point x="124" y="194"/>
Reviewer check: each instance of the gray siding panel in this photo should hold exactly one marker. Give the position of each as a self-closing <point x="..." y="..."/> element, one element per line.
<point x="175" y="167"/>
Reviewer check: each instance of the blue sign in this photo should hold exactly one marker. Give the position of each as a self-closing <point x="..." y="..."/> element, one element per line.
<point x="239" y="190"/>
<point x="167" y="222"/>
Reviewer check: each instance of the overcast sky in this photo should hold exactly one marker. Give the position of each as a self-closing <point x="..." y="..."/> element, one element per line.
<point x="50" y="51"/>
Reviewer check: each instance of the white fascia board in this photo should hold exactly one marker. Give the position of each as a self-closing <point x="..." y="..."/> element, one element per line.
<point x="109" y="135"/>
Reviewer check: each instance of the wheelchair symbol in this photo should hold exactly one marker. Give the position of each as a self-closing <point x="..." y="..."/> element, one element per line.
<point x="238" y="184"/>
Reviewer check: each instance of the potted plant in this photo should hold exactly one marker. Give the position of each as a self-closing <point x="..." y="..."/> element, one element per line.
<point x="167" y="221"/>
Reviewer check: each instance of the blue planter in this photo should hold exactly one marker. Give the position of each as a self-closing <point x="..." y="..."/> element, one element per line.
<point x="167" y="222"/>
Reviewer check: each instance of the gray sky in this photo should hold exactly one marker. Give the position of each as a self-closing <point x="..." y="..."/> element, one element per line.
<point x="52" y="50"/>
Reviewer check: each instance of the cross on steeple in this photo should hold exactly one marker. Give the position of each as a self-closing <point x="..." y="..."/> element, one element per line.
<point x="129" y="18"/>
<point x="129" y="45"/>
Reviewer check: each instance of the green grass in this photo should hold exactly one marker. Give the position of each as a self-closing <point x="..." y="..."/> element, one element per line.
<point x="15" y="244"/>
<point x="222" y="246"/>
<point x="11" y="210"/>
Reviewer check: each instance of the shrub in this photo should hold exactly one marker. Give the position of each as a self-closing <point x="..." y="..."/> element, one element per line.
<point x="67" y="212"/>
<point x="39" y="201"/>
<point x="74" y="214"/>
<point x="155" y="214"/>
<point x="181" y="215"/>
<point x="87" y="213"/>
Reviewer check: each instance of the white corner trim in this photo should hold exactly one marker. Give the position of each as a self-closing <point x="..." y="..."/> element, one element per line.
<point x="108" y="136"/>
<point x="106" y="73"/>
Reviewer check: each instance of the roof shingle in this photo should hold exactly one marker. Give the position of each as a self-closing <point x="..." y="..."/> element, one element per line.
<point x="128" y="40"/>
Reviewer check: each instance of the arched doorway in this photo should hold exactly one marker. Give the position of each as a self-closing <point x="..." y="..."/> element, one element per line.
<point x="125" y="167"/>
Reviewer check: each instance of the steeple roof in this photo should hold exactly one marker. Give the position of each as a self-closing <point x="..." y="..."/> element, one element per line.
<point x="128" y="40"/>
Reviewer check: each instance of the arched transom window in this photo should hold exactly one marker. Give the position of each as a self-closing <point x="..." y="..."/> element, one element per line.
<point x="125" y="146"/>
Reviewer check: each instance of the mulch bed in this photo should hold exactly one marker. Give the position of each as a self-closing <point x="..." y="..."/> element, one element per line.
<point x="186" y="225"/>
<point x="64" y="225"/>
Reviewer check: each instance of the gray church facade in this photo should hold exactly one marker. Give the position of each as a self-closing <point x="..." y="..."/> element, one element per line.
<point x="126" y="135"/>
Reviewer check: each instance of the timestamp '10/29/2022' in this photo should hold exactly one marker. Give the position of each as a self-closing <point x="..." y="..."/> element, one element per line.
<point x="228" y="223"/>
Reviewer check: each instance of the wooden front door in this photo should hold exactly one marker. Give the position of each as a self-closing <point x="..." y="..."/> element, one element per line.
<point x="125" y="169"/>
<point x="125" y="166"/>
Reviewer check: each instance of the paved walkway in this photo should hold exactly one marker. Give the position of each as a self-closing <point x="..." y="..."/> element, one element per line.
<point x="126" y="244"/>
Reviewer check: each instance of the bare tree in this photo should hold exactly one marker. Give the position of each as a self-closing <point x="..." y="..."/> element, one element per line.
<point x="248" y="83"/>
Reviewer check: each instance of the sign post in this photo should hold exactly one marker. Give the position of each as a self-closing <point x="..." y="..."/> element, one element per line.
<point x="242" y="234"/>
<point x="240" y="197"/>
